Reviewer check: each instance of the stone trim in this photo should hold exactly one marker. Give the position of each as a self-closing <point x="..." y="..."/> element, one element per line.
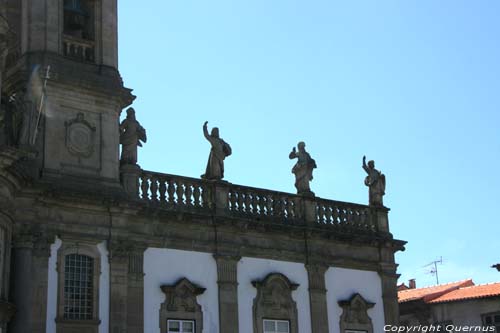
<point x="227" y="280"/>
<point x="317" y="297"/>
<point x="354" y="314"/>
<point x="180" y="303"/>
<point x="274" y="301"/>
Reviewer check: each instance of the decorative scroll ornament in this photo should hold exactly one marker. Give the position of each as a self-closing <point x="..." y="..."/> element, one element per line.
<point x="274" y="300"/>
<point x="80" y="136"/>
<point x="355" y="314"/>
<point x="180" y="303"/>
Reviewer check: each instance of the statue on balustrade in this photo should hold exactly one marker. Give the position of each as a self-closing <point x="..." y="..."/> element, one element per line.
<point x="219" y="151"/>
<point x="375" y="182"/>
<point x="303" y="169"/>
<point x="131" y="135"/>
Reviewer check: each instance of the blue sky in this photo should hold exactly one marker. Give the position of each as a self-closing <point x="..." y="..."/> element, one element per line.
<point x="414" y="85"/>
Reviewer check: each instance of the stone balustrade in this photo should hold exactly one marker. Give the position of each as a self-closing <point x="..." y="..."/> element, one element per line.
<point x="263" y="206"/>
<point x="172" y="191"/>
<point x="79" y="49"/>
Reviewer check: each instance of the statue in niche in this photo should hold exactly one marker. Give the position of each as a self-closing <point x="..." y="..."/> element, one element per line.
<point x="375" y="182"/>
<point x="220" y="150"/>
<point x="131" y="135"/>
<point x="15" y="119"/>
<point x="303" y="169"/>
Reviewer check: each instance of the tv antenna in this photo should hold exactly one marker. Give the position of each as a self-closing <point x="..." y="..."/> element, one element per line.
<point x="434" y="269"/>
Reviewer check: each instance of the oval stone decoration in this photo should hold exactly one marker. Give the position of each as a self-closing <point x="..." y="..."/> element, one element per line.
<point x="80" y="136"/>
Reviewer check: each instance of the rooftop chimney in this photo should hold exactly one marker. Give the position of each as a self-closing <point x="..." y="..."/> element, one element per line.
<point x="412" y="284"/>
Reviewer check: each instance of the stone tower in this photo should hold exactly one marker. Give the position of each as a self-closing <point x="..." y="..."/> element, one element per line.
<point x="62" y="70"/>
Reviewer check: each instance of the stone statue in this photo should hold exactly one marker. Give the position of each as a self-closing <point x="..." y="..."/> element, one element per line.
<point x="220" y="150"/>
<point x="303" y="169"/>
<point x="376" y="183"/>
<point x="131" y="135"/>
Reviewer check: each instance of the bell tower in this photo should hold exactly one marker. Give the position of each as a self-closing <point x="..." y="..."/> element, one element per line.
<point x="65" y="93"/>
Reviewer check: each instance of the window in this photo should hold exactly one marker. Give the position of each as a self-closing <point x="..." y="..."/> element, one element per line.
<point x="78" y="287"/>
<point x="79" y="29"/>
<point x="181" y="313"/>
<point x="274" y="300"/>
<point x="492" y="319"/>
<point x="180" y="326"/>
<point x="276" y="326"/>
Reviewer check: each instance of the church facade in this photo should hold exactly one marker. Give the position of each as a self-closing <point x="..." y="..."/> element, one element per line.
<point x="90" y="242"/>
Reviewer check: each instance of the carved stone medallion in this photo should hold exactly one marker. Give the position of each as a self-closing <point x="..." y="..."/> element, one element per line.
<point x="80" y="136"/>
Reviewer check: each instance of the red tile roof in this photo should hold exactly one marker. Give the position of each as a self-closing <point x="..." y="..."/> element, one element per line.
<point x="472" y="292"/>
<point x="430" y="293"/>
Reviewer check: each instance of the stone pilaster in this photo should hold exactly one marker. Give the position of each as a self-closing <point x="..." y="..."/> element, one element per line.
<point x="40" y="276"/>
<point x="127" y="288"/>
<point x="29" y="293"/>
<point x="118" y="275"/>
<point x="317" y="297"/>
<point x="135" y="291"/>
<point x="227" y="279"/>
<point x="389" y="280"/>
<point x="22" y="295"/>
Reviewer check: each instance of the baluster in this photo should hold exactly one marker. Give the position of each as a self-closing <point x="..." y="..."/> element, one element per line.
<point x="278" y="206"/>
<point x="197" y="195"/>
<point x="188" y="194"/>
<point x="171" y="192"/>
<point x="144" y="187"/>
<point x="322" y="214"/>
<point x="240" y="202"/>
<point x="329" y="219"/>
<point x="335" y="215"/>
<point x="232" y="201"/>
<point x="262" y="205"/>
<point x="269" y="205"/>
<point x="287" y="208"/>
<point x="255" y="204"/>
<point x="154" y="189"/>
<point x="248" y="200"/>
<point x="180" y="193"/>
<point x="163" y="190"/>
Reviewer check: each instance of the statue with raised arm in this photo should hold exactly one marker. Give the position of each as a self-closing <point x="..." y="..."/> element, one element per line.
<point x="131" y="135"/>
<point x="219" y="151"/>
<point x="375" y="182"/>
<point x="303" y="169"/>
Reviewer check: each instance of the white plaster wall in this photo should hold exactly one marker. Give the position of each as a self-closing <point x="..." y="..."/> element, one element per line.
<point x="250" y="269"/>
<point x="50" y="326"/>
<point x="166" y="266"/>
<point x="342" y="283"/>
<point x="52" y="289"/>
<point x="104" y="289"/>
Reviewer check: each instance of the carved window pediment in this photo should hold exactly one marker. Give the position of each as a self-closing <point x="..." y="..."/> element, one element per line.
<point x="180" y="303"/>
<point x="355" y="314"/>
<point x="274" y="300"/>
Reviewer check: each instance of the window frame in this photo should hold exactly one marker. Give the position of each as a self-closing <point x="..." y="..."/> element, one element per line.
<point x="276" y="321"/>
<point x="494" y="324"/>
<point x="64" y="324"/>
<point x="193" y="321"/>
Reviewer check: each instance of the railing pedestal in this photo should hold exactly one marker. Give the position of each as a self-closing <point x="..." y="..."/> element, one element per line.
<point x="309" y="210"/>
<point x="221" y="197"/>
<point x="129" y="176"/>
